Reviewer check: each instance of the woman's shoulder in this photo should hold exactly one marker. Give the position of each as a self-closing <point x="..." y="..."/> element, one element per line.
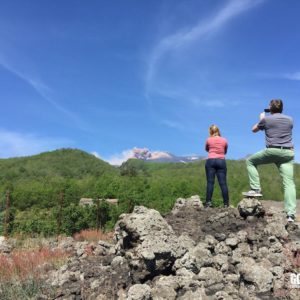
<point x="224" y="139"/>
<point x="221" y="139"/>
<point x="216" y="138"/>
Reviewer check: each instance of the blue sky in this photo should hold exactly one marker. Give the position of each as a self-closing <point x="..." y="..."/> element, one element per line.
<point x="107" y="76"/>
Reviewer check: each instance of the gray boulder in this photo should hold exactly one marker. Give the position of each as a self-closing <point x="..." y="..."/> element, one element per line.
<point x="198" y="294"/>
<point x="186" y="242"/>
<point x="276" y="229"/>
<point x="193" y="202"/>
<point x="259" y="276"/>
<point x="195" y="259"/>
<point x="139" y="292"/>
<point x="165" y="287"/>
<point x="211" y="276"/>
<point x="250" y="207"/>
<point x="150" y="242"/>
<point x="221" y="295"/>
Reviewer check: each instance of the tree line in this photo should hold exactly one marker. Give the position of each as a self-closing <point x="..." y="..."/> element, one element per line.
<point x="45" y="190"/>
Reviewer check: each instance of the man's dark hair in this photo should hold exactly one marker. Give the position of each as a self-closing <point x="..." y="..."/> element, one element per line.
<point x="276" y="106"/>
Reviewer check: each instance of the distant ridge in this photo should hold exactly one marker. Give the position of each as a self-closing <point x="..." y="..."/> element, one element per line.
<point x="66" y="163"/>
<point x="160" y="156"/>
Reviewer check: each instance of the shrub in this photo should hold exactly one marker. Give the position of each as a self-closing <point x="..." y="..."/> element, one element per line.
<point x="35" y="222"/>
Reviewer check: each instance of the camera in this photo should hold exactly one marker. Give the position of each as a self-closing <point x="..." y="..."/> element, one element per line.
<point x="267" y="110"/>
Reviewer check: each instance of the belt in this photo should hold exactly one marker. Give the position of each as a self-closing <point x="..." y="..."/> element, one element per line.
<point x="281" y="147"/>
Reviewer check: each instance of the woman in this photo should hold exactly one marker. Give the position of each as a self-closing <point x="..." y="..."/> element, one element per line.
<point x="216" y="146"/>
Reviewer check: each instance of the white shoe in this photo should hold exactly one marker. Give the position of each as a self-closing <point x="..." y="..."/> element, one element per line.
<point x="253" y="193"/>
<point x="290" y="218"/>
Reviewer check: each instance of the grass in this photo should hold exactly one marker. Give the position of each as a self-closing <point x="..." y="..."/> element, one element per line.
<point x="93" y="235"/>
<point x="21" y="272"/>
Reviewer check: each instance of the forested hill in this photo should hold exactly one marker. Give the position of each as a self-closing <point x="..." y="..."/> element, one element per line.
<point x="66" y="163"/>
<point x="188" y="179"/>
<point x="44" y="190"/>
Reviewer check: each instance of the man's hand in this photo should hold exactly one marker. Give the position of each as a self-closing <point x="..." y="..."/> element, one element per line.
<point x="262" y="116"/>
<point x="255" y="128"/>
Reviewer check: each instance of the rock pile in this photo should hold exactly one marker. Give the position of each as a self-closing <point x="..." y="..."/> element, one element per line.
<point x="148" y="242"/>
<point x="191" y="253"/>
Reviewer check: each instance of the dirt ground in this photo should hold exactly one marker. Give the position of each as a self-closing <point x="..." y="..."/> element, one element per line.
<point x="280" y="206"/>
<point x="217" y="222"/>
<point x="221" y="222"/>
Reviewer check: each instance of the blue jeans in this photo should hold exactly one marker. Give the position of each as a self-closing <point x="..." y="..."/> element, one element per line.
<point x="216" y="166"/>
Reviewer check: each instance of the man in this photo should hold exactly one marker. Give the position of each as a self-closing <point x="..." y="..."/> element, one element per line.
<point x="279" y="150"/>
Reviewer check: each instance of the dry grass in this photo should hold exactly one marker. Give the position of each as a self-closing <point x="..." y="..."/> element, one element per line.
<point x="21" y="272"/>
<point x="24" y="242"/>
<point x="23" y="263"/>
<point x="93" y="235"/>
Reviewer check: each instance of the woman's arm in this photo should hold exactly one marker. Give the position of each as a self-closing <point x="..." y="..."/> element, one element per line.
<point x="206" y="147"/>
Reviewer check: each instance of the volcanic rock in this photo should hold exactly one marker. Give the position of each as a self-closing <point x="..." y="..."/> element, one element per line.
<point x="251" y="207"/>
<point x="151" y="242"/>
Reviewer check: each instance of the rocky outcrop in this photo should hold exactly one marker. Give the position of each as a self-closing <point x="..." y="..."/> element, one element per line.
<point x="190" y="254"/>
<point x="149" y="242"/>
<point x="193" y="202"/>
<point x="251" y="207"/>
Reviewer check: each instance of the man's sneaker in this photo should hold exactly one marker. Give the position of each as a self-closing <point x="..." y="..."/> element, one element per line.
<point x="253" y="193"/>
<point x="208" y="204"/>
<point x="290" y="218"/>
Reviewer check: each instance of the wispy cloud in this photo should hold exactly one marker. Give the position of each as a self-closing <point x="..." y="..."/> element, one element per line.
<point x="96" y="154"/>
<point x="14" y="144"/>
<point x="117" y="159"/>
<point x="292" y="76"/>
<point x="186" y="37"/>
<point x="173" y="124"/>
<point x="43" y="91"/>
<point x="275" y="75"/>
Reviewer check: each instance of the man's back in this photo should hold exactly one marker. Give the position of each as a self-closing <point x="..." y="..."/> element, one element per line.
<point x="278" y="129"/>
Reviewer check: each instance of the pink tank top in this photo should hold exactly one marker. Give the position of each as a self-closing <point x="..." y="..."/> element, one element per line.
<point x="216" y="147"/>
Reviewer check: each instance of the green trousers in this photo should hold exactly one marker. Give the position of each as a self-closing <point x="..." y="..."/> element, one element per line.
<point x="284" y="160"/>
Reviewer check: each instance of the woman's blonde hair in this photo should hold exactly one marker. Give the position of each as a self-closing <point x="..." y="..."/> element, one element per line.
<point x="214" y="130"/>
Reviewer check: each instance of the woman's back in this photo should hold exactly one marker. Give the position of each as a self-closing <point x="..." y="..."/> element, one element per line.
<point x="216" y="147"/>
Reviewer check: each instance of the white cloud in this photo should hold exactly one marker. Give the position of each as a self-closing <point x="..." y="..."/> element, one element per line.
<point x="96" y="154"/>
<point x="174" y="82"/>
<point x="184" y="37"/>
<point x="160" y="154"/>
<point x="274" y="75"/>
<point x="292" y="76"/>
<point x="14" y="144"/>
<point x="118" y="159"/>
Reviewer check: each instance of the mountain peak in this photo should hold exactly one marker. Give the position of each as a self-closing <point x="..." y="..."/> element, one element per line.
<point x="161" y="156"/>
<point x="146" y="154"/>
